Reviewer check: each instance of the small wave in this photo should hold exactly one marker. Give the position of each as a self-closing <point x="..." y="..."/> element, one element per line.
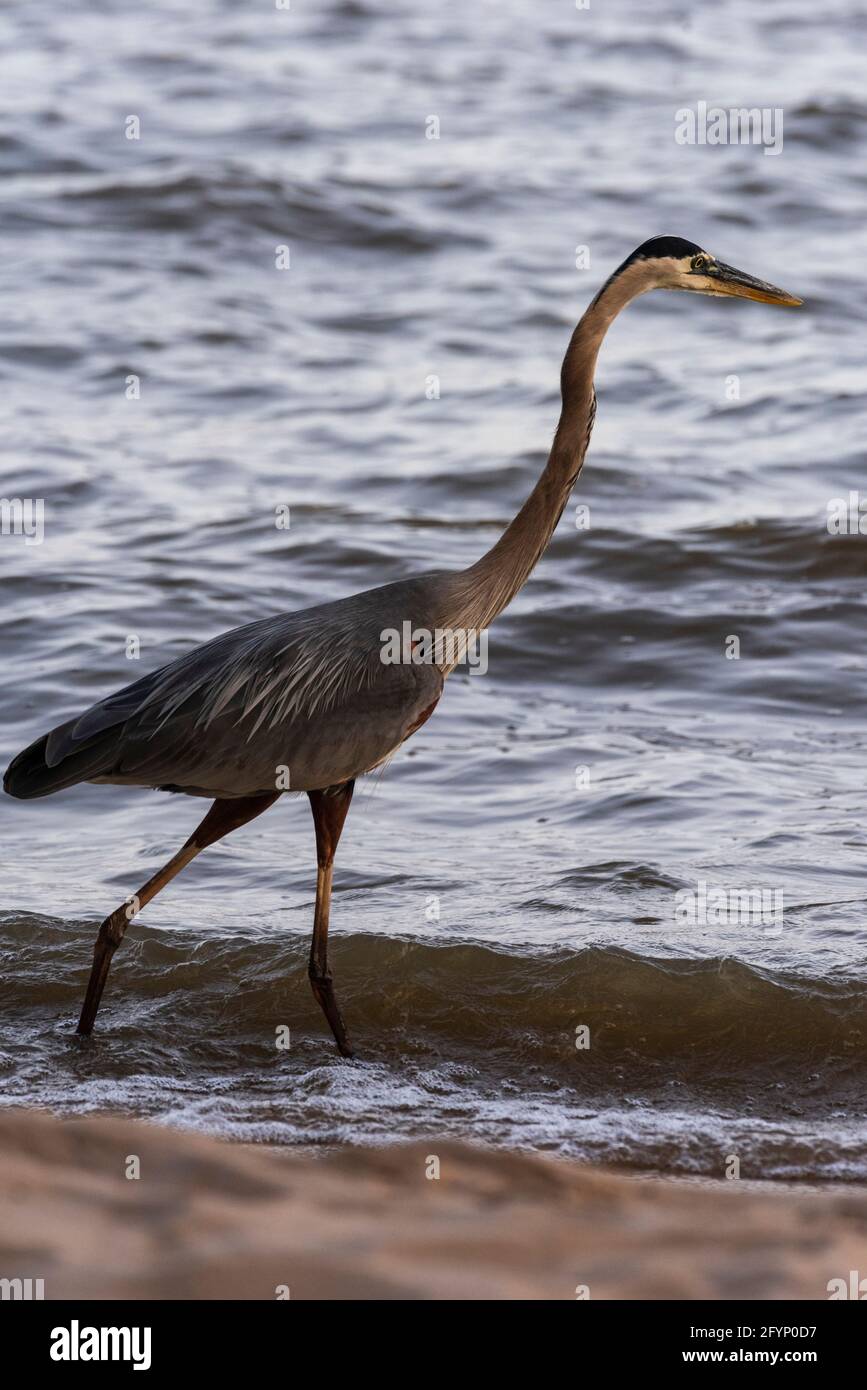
<point x="687" y="1060"/>
<point x="233" y="196"/>
<point x="683" y="1012"/>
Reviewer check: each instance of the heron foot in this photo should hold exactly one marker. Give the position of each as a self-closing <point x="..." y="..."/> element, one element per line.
<point x="323" y="992"/>
<point x="109" y="938"/>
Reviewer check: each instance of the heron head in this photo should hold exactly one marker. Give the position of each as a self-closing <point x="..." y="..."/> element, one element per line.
<point x="670" y="263"/>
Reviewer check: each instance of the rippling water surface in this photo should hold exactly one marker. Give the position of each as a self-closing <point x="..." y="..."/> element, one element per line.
<point x="455" y="258"/>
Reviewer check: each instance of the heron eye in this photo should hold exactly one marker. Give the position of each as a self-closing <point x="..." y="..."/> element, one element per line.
<point x="700" y="263"/>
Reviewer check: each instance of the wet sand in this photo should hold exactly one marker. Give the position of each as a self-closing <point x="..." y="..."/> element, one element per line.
<point x="207" y="1219"/>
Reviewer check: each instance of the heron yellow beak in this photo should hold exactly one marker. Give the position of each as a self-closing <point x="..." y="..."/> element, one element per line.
<point x="727" y="280"/>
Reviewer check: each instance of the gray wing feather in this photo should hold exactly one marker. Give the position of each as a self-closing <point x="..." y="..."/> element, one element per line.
<point x="306" y="690"/>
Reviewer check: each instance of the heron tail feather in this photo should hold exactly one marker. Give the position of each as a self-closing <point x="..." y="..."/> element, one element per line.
<point x="30" y="775"/>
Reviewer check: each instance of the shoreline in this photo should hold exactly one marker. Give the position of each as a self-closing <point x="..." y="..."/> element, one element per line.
<point x="123" y="1209"/>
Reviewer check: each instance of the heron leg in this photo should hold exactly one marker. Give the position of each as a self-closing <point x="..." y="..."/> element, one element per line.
<point x="329" y="812"/>
<point x="225" y="815"/>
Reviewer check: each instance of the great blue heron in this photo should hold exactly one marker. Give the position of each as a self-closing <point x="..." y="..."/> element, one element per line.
<point x="306" y="699"/>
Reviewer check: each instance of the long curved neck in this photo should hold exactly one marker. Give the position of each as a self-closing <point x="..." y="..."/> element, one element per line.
<point x="492" y="582"/>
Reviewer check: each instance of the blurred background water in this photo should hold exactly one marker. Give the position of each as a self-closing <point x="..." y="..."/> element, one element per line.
<point x="486" y="903"/>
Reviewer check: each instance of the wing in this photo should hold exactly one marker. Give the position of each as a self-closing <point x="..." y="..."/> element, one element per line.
<point x="303" y="696"/>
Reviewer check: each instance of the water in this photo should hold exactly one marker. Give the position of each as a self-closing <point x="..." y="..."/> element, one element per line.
<point x="455" y="258"/>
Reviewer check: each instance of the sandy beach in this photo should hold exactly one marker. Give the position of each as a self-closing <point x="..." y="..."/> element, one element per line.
<point x="206" y="1219"/>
